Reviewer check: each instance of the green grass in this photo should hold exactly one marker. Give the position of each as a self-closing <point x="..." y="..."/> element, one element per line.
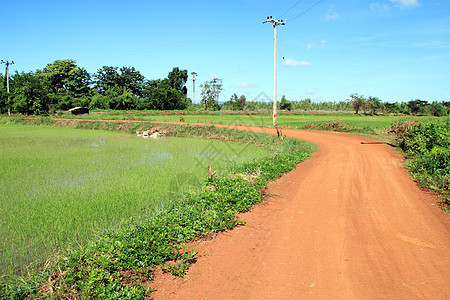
<point x="61" y="186"/>
<point x="360" y="123"/>
<point x="115" y="265"/>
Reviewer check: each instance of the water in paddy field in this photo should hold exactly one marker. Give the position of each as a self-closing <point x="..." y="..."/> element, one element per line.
<point x="60" y="186"/>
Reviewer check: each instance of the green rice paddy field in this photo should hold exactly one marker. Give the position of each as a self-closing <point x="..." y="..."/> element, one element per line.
<point x="285" y="120"/>
<point x="61" y="186"/>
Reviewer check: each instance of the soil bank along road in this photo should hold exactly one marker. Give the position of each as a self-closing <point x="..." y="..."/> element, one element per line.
<point x="349" y="223"/>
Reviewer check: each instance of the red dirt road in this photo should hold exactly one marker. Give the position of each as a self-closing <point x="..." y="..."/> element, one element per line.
<point x="349" y="223"/>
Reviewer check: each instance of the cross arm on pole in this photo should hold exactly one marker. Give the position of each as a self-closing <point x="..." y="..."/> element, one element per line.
<point x="275" y="24"/>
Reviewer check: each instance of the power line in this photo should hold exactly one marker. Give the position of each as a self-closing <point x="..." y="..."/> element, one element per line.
<point x="304" y="12"/>
<point x="290" y="8"/>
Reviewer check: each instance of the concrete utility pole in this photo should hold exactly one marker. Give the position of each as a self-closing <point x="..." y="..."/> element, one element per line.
<point x="275" y="24"/>
<point x="7" y="79"/>
<point x="194" y="77"/>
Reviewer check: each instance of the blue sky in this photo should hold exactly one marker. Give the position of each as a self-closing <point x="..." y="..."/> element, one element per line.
<point x="396" y="50"/>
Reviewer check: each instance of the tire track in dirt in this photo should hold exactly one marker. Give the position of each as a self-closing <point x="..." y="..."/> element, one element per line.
<point x="349" y="223"/>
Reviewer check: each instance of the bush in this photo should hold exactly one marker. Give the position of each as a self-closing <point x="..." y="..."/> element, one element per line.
<point x="427" y="146"/>
<point x="421" y="138"/>
<point x="336" y="125"/>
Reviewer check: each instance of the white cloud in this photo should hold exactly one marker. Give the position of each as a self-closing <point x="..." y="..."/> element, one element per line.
<point x="379" y="6"/>
<point x="331" y="16"/>
<point x="294" y="63"/>
<point x="406" y="3"/>
<point x="246" y="85"/>
<point x="323" y="44"/>
<point x="386" y="5"/>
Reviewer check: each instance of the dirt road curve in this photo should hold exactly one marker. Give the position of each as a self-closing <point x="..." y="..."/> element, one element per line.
<point x="346" y="224"/>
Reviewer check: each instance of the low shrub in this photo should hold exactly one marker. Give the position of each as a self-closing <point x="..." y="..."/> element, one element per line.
<point x="336" y="125"/>
<point x="427" y="149"/>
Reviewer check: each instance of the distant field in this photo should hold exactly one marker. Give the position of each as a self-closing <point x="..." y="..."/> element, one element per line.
<point x="61" y="186"/>
<point x="361" y="122"/>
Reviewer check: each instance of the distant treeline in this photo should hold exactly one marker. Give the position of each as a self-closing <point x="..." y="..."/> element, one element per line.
<point x="62" y="85"/>
<point x="360" y="104"/>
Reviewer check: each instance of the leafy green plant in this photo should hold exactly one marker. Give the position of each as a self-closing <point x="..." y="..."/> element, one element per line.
<point x="427" y="147"/>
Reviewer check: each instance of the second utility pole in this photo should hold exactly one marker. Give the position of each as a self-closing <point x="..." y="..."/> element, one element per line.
<point x="7" y="80"/>
<point x="275" y="24"/>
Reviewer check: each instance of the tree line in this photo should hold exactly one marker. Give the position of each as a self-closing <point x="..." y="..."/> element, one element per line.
<point x="62" y="85"/>
<point x="360" y="105"/>
<point x="373" y="105"/>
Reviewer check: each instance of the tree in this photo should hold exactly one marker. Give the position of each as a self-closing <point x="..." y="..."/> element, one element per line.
<point x="358" y="102"/>
<point x="64" y="77"/>
<point x="374" y="104"/>
<point x="29" y="95"/>
<point x="446" y="104"/>
<point x="231" y="103"/>
<point x="241" y="102"/>
<point x="177" y="79"/>
<point x="160" y="95"/>
<point x="416" y="105"/>
<point x="210" y="93"/>
<point x="132" y="80"/>
<point x="127" y="78"/>
<point x="437" y="109"/>
<point x="236" y="103"/>
<point x="106" y="78"/>
<point x="285" y="104"/>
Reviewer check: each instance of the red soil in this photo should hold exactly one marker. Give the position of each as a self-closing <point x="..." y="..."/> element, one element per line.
<point x="349" y="223"/>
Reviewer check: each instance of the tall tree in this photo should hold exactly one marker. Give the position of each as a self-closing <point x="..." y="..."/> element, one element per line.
<point x="358" y="102"/>
<point x="160" y="95"/>
<point x="177" y="79"/>
<point x="64" y="77"/>
<point x="241" y="102"/>
<point x="375" y="104"/>
<point x="132" y="80"/>
<point x="127" y="78"/>
<point x="416" y="105"/>
<point x="106" y="78"/>
<point x="235" y="102"/>
<point x="210" y="93"/>
<point x="29" y="94"/>
<point x="285" y="104"/>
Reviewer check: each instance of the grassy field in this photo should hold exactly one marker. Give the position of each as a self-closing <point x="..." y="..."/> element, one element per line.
<point x="284" y="120"/>
<point x="61" y="186"/>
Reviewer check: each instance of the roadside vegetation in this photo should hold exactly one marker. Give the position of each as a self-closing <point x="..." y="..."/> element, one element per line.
<point x="119" y="263"/>
<point x="427" y="149"/>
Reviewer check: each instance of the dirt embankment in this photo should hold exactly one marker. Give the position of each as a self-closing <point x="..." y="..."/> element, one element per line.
<point x="347" y="224"/>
